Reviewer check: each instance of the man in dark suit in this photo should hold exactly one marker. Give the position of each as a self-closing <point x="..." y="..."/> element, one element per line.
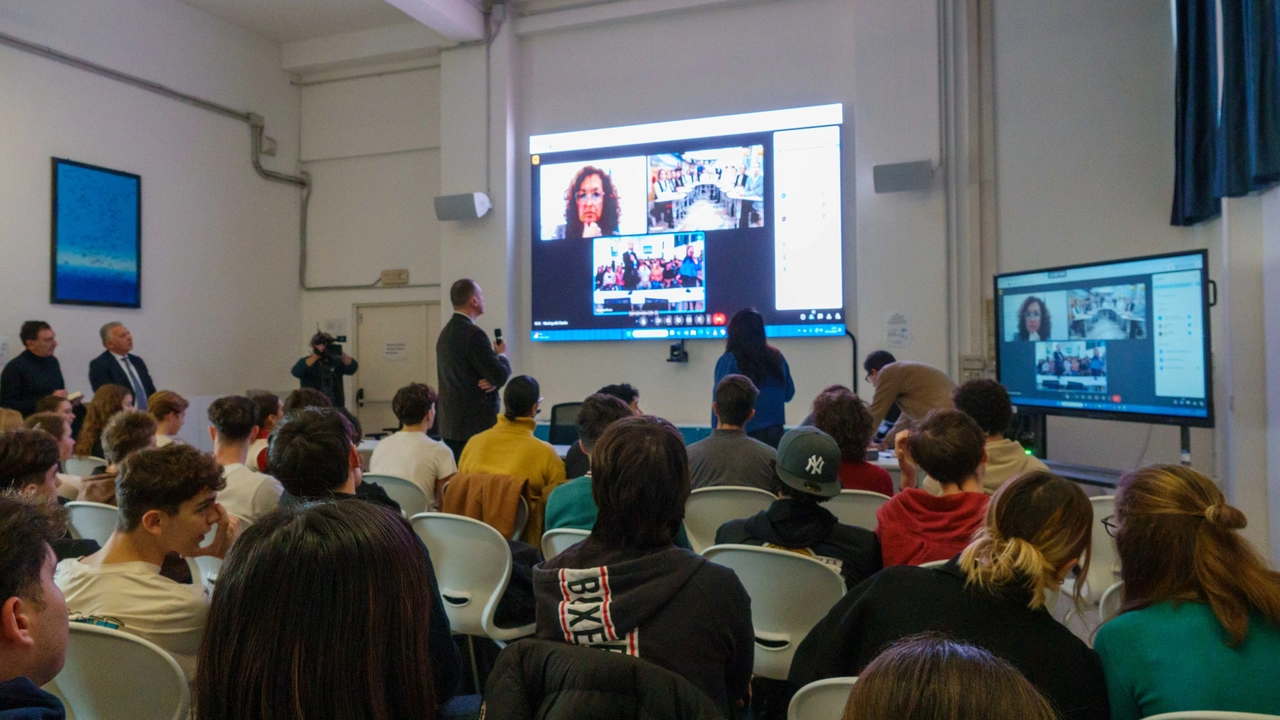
<point x="116" y="366"/>
<point x="471" y="370"/>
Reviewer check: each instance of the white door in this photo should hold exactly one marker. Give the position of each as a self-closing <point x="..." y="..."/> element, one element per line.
<point x="395" y="346"/>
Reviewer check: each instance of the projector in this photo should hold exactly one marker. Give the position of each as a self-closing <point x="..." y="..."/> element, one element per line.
<point x="467" y="206"/>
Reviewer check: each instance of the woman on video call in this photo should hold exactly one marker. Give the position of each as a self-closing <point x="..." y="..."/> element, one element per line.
<point x="1033" y="320"/>
<point x="591" y="206"/>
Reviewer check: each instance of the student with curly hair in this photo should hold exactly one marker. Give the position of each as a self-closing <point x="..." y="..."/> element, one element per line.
<point x="591" y="206"/>
<point x="838" y="412"/>
<point x="107" y="401"/>
<point x="1200" y="622"/>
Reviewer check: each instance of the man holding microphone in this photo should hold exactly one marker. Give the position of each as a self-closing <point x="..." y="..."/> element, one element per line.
<point x="471" y="370"/>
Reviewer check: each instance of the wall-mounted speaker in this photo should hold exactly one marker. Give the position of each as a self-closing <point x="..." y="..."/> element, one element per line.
<point x="901" y="177"/>
<point x="468" y="206"/>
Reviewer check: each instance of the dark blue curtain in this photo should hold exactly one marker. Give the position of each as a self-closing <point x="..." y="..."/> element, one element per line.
<point x="1234" y="149"/>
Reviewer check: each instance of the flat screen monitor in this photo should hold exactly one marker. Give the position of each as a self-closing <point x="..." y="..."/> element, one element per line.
<point x="1121" y="340"/>
<point x="666" y="230"/>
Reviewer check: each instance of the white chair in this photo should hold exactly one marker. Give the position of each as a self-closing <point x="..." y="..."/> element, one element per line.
<point x="856" y="507"/>
<point x="207" y="566"/>
<point x="709" y="508"/>
<point x="557" y="541"/>
<point x="789" y="593"/>
<point x="112" y="675"/>
<point x="83" y="466"/>
<point x="934" y="563"/>
<point x="473" y="566"/>
<point x="92" y="521"/>
<point x="1104" y="558"/>
<point x="1112" y="600"/>
<point x="522" y="519"/>
<point x="1211" y="715"/>
<point x="821" y="699"/>
<point x="411" y="498"/>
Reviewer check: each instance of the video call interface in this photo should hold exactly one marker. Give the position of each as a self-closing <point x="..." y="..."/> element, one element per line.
<point x="1127" y="337"/>
<point x="666" y="230"/>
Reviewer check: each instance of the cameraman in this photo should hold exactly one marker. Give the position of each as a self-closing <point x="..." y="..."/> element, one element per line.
<point x="323" y="369"/>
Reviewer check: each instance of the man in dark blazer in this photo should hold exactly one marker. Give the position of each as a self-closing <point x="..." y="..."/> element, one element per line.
<point x="117" y="366"/>
<point x="471" y="370"/>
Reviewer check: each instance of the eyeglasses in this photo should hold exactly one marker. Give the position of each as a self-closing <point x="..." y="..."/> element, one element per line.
<point x="1109" y="525"/>
<point x="593" y="196"/>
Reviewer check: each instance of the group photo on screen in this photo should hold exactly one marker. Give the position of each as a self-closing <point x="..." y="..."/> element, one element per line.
<point x="662" y="272"/>
<point x="1075" y="366"/>
<point x="600" y="198"/>
<point x="1114" y="312"/>
<point x="717" y="189"/>
<point x="1034" y="317"/>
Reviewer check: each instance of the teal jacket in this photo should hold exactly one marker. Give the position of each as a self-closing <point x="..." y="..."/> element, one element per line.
<point x="570" y="506"/>
<point x="1173" y="659"/>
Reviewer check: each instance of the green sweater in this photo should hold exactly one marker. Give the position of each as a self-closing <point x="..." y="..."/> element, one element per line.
<point x="1164" y="659"/>
<point x="571" y="506"/>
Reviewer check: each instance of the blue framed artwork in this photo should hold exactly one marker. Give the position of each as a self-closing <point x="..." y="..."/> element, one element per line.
<point x="97" y="236"/>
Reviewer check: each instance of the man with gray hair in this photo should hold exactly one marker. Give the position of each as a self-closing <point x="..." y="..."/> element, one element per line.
<point x="118" y="366"/>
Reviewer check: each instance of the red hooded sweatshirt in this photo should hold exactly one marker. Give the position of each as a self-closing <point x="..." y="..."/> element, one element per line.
<point x="917" y="527"/>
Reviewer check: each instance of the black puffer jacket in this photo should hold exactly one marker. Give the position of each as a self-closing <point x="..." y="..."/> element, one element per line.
<point x="549" y="680"/>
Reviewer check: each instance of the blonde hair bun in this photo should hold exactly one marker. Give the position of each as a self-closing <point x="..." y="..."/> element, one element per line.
<point x="1225" y="517"/>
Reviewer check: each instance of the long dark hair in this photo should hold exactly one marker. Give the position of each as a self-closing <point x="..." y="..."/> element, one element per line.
<point x="757" y="359"/>
<point x="609" y="213"/>
<point x="320" y="612"/>
<point x="1177" y="541"/>
<point x="107" y="401"/>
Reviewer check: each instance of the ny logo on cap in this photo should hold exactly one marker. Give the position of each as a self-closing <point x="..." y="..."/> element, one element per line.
<point x="815" y="465"/>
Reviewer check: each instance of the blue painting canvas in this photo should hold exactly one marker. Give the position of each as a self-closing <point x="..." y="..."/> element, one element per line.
<point x="97" y="235"/>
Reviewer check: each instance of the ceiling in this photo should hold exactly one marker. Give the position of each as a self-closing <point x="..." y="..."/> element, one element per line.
<point x="287" y="21"/>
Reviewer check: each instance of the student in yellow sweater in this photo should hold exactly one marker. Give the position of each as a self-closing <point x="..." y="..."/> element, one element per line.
<point x="509" y="448"/>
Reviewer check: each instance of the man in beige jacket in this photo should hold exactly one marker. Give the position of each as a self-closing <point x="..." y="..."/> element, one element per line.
<point x="915" y="388"/>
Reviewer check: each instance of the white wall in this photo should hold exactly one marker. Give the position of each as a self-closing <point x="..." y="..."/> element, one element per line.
<point x="219" y="244"/>
<point x="372" y="146"/>
<point x="878" y="57"/>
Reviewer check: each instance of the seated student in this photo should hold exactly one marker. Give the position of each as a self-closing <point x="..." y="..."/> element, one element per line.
<point x="170" y="411"/>
<point x="59" y="428"/>
<point x="127" y="433"/>
<point x="345" y="581"/>
<point x="929" y="677"/>
<point x="268" y="409"/>
<point x="728" y="456"/>
<point x="987" y="402"/>
<point x="916" y="526"/>
<point x="168" y="500"/>
<point x="992" y="596"/>
<point x="570" y="505"/>
<point x="576" y="462"/>
<point x="33" y="614"/>
<point x="664" y="604"/>
<point x="312" y="456"/>
<point x="107" y="401"/>
<point x="409" y="453"/>
<point x="509" y="448"/>
<point x="303" y="398"/>
<point x="57" y="404"/>
<point x="838" y="412"/>
<point x="29" y="467"/>
<point x="10" y="420"/>
<point x="797" y="521"/>
<point x="1200" y="622"/>
<point x="248" y="494"/>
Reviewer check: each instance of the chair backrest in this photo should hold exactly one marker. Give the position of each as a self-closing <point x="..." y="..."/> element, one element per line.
<point x="557" y="541"/>
<point x="473" y="566"/>
<point x="411" y="498"/>
<point x="1211" y="715"/>
<point x="1112" y="600"/>
<point x="821" y="699"/>
<point x="709" y="508"/>
<point x="83" y="466"/>
<point x="92" y="521"/>
<point x="789" y="593"/>
<point x="1104" y="560"/>
<point x="934" y="563"/>
<point x="856" y="507"/>
<point x="522" y="519"/>
<point x="564" y="423"/>
<point x="112" y="675"/>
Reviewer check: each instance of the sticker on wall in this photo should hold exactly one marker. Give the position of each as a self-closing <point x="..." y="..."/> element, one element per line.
<point x="897" y="331"/>
<point x="395" y="351"/>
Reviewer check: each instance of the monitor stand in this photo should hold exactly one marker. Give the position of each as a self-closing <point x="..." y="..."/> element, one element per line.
<point x="1186" y="444"/>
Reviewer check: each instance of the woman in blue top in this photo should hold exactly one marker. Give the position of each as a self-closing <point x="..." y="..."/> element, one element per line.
<point x="1200" y="628"/>
<point x="747" y="353"/>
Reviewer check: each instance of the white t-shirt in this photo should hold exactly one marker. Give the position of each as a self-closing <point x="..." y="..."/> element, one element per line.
<point x="416" y="458"/>
<point x="249" y="494"/>
<point x="163" y="440"/>
<point x="152" y="607"/>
